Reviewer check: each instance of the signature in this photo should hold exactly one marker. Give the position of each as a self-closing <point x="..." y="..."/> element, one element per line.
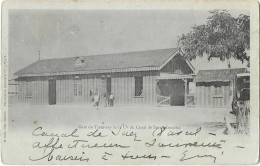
<point x="197" y="156"/>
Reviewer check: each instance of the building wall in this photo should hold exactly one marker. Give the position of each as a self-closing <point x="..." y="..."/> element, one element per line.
<point x="210" y="96"/>
<point x="123" y="87"/>
<point x="12" y="92"/>
<point x="65" y="88"/>
<point x="35" y="90"/>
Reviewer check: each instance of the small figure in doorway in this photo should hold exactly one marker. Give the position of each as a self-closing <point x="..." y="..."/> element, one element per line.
<point x="106" y="98"/>
<point x="111" y="99"/>
<point x="91" y="94"/>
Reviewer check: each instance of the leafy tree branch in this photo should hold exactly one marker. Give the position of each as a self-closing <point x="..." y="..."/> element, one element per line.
<point x="223" y="36"/>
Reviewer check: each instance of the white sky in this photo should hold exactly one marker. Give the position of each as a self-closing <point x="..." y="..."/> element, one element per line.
<point x="73" y="33"/>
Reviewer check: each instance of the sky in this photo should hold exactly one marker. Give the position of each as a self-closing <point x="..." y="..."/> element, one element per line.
<point x="72" y="33"/>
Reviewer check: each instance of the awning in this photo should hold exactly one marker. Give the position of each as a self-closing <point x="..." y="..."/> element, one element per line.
<point x="218" y="75"/>
<point x="243" y="75"/>
<point x="166" y="76"/>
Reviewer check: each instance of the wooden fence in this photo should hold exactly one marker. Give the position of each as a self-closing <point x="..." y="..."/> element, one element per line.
<point x="163" y="100"/>
<point x="190" y="100"/>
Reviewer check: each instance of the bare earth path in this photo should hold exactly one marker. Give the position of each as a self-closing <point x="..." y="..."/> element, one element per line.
<point x="23" y="116"/>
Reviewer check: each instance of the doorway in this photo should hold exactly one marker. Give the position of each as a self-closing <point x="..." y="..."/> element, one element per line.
<point x="52" y="92"/>
<point x="173" y="89"/>
<point x="108" y="88"/>
<point x="177" y="90"/>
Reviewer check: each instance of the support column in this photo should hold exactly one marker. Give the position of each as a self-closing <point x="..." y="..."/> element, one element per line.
<point x="156" y="90"/>
<point x="185" y="92"/>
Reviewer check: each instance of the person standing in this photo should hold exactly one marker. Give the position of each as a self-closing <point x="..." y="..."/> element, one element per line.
<point x="111" y="99"/>
<point x="106" y="98"/>
<point x="91" y="94"/>
<point x="96" y="99"/>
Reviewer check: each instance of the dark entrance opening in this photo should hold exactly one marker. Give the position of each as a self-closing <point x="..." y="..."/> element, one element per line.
<point x="52" y="92"/>
<point x="108" y="85"/>
<point x="177" y="91"/>
<point x="173" y="89"/>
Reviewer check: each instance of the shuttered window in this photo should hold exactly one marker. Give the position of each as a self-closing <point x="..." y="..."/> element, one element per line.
<point x="139" y="86"/>
<point x="218" y="91"/>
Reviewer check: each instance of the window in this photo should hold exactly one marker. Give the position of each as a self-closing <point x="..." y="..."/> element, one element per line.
<point x="77" y="88"/>
<point x="138" y="86"/>
<point x="218" y="91"/>
<point x="79" y="63"/>
<point x="28" y="90"/>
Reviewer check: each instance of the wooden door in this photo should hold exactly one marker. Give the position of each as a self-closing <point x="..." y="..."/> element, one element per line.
<point x="218" y="96"/>
<point x="52" y="92"/>
<point x="108" y="88"/>
<point x="106" y="85"/>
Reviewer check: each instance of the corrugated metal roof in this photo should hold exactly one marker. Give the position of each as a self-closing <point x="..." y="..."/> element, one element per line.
<point x="222" y="75"/>
<point x="151" y="59"/>
<point x="167" y="76"/>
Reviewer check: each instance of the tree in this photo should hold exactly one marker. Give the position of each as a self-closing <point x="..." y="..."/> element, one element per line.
<point x="223" y="37"/>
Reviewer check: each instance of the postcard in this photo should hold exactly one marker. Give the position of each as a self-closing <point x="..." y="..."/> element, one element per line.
<point x="130" y="82"/>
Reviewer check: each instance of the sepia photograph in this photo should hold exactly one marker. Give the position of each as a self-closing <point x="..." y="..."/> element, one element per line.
<point x="146" y="86"/>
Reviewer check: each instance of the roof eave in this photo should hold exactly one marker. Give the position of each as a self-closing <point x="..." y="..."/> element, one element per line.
<point x="173" y="55"/>
<point x="169" y="58"/>
<point x="188" y="62"/>
<point x="208" y="81"/>
<point x="105" y="71"/>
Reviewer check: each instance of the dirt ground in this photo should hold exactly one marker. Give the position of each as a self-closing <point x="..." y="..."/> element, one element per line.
<point x="23" y="116"/>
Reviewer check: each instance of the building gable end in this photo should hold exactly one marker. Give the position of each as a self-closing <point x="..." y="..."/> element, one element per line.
<point x="177" y="64"/>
